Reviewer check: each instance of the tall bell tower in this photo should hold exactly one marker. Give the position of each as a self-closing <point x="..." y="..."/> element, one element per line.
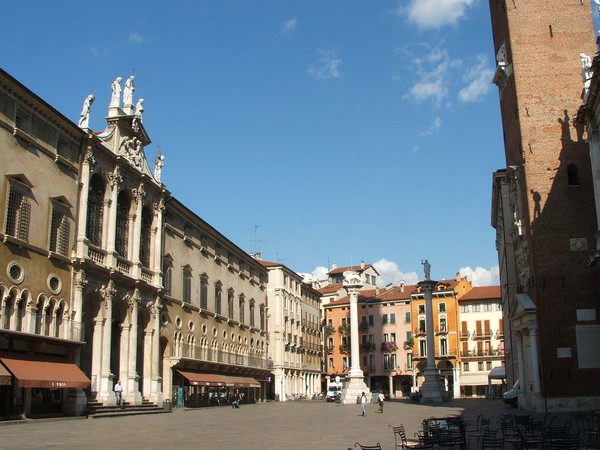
<point x="543" y="202"/>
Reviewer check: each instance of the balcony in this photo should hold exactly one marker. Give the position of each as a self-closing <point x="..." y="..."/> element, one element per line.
<point x="363" y="326"/>
<point x="481" y="335"/>
<point x="367" y="347"/>
<point x="441" y="330"/>
<point x="344" y="348"/>
<point x="329" y="330"/>
<point x="464" y="335"/>
<point x="485" y="354"/>
<point x="344" y="328"/>
<point x="389" y="347"/>
<point x="420" y="332"/>
<point x="187" y="351"/>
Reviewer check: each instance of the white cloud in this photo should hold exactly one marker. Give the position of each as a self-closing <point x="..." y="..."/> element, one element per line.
<point x="432" y="70"/>
<point x="289" y="26"/>
<point x="327" y="66"/>
<point x="435" y="126"/>
<point x="136" y="38"/>
<point x="479" y="80"/>
<point x="318" y="273"/>
<point x="390" y="273"/>
<point x="481" y="276"/>
<point x="427" y="14"/>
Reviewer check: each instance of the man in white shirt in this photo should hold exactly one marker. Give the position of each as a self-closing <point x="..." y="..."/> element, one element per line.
<point x="119" y="393"/>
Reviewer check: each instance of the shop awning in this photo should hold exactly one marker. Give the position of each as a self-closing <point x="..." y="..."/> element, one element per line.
<point x="5" y="376"/>
<point x="497" y="373"/>
<point x="212" y="379"/>
<point x="37" y="372"/>
<point x="203" y="379"/>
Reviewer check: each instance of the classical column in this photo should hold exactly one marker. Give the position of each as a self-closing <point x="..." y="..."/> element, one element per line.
<point x="146" y="387"/>
<point x="535" y="362"/>
<point x="432" y="390"/>
<point x="77" y="324"/>
<point x="97" y="354"/>
<point x="115" y="180"/>
<point x="133" y="393"/>
<point x="157" y="390"/>
<point x="106" y="376"/>
<point x="391" y="386"/>
<point x="156" y="250"/>
<point x="139" y="196"/>
<point x="86" y="168"/>
<point x="356" y="384"/>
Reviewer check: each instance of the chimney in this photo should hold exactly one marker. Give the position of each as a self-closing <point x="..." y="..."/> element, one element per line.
<point x="401" y="284"/>
<point x="362" y="264"/>
<point x="333" y="266"/>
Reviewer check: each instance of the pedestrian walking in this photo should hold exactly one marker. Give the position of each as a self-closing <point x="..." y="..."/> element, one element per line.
<point x="380" y="400"/>
<point x="363" y="404"/>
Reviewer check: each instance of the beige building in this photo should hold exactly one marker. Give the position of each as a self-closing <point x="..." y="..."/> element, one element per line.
<point x="213" y="321"/>
<point x="294" y="330"/>
<point x="40" y="321"/>
<point x="481" y="336"/>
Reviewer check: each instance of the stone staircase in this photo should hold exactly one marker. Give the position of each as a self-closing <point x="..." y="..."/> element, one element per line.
<point x="97" y="410"/>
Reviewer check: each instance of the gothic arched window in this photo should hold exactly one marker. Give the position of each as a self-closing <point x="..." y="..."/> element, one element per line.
<point x="122" y="227"/>
<point x="145" y="237"/>
<point x="95" y="211"/>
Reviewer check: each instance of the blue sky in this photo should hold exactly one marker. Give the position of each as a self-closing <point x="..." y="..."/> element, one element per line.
<point x="316" y="132"/>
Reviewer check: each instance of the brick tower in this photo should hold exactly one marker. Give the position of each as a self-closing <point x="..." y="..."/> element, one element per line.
<point x="543" y="204"/>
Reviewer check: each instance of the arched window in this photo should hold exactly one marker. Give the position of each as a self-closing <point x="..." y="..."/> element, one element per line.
<point x="218" y="291"/>
<point x="145" y="237"/>
<point x="203" y="291"/>
<point x="230" y="303"/>
<point x="573" y="175"/>
<point x="421" y="325"/>
<point x="95" y="211"/>
<point x="122" y="227"/>
<point x="252" y="313"/>
<point x="242" y="307"/>
<point x="443" y="324"/>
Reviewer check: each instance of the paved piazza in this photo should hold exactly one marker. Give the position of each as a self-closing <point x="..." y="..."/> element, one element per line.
<point x="289" y="425"/>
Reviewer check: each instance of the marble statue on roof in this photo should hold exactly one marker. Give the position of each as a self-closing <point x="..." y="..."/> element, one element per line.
<point x="84" y="118"/>
<point x="115" y="99"/>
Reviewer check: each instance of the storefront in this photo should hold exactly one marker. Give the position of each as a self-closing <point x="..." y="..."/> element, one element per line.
<point x="194" y="389"/>
<point x="39" y="385"/>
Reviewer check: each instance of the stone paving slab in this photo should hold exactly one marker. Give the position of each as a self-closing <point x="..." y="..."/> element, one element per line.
<point x="274" y="425"/>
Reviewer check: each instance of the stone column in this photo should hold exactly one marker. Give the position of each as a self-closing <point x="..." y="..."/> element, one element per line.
<point x="432" y="390"/>
<point x="86" y="168"/>
<point x="97" y="354"/>
<point x="115" y="180"/>
<point x="105" y="393"/>
<point x="535" y="362"/>
<point x="139" y="196"/>
<point x="77" y="325"/>
<point x="146" y="387"/>
<point x="157" y="391"/>
<point x="356" y="384"/>
<point x="156" y="250"/>
<point x="133" y="393"/>
<point x="391" y="386"/>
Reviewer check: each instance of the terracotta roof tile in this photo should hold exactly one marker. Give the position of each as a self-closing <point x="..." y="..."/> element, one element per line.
<point x="482" y="292"/>
<point x="357" y="268"/>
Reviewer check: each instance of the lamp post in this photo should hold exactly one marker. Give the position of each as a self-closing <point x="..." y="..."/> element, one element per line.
<point x="432" y="390"/>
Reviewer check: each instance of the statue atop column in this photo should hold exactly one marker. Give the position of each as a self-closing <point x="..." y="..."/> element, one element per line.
<point x="426" y="269"/>
<point x="115" y="99"/>
<point x="84" y="118"/>
<point x="352" y="278"/>
<point x="128" y="95"/>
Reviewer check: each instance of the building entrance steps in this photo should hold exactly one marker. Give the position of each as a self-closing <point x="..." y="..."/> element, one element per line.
<point x="97" y="410"/>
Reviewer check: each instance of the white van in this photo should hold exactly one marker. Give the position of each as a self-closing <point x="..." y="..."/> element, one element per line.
<point x="333" y="391"/>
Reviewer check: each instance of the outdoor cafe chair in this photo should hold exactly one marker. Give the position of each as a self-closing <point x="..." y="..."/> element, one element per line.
<point x="368" y="447"/>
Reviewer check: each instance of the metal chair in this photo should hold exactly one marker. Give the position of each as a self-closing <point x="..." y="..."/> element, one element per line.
<point x="491" y="439"/>
<point x="368" y="447"/>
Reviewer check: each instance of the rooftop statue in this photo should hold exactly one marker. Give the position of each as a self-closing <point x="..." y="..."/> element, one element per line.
<point x="426" y="269"/>
<point x="115" y="99"/>
<point x="84" y="119"/>
<point x="128" y="95"/>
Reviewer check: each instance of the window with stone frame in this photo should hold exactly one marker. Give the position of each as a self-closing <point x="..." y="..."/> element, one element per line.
<point x="18" y="208"/>
<point x="122" y="224"/>
<point x="262" y="317"/>
<point x="95" y="210"/>
<point x="218" y="293"/>
<point x="204" y="291"/>
<point x="252" y="303"/>
<point x="60" y="228"/>
<point x="242" y="308"/>
<point x="145" y="236"/>
<point x="187" y="284"/>
<point x="230" y="297"/>
<point x="168" y="277"/>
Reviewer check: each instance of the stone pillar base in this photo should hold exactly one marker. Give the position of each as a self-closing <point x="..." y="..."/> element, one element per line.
<point x="432" y="390"/>
<point x="76" y="403"/>
<point x="355" y="388"/>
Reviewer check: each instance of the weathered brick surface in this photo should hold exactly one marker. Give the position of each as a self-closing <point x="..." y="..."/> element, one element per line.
<point x="538" y="104"/>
